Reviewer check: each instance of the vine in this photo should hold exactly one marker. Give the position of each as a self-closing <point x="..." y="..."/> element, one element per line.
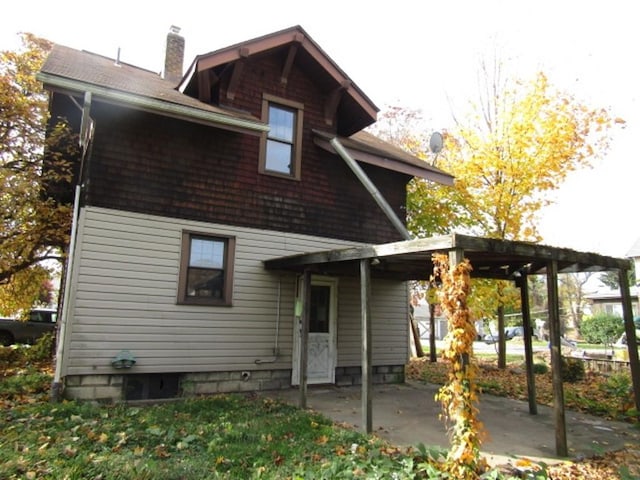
<point x="459" y="396"/>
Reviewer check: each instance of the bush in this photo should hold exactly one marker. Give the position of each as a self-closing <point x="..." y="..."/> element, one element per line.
<point x="41" y="351"/>
<point x="572" y="370"/>
<point x="540" y="368"/>
<point x="602" y="328"/>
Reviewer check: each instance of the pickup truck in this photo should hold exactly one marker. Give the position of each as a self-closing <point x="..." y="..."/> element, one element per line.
<point x="41" y="321"/>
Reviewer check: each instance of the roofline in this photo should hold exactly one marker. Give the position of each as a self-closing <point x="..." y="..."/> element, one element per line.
<point x="266" y="42"/>
<point x="527" y="252"/>
<point x="156" y="106"/>
<point x="389" y="163"/>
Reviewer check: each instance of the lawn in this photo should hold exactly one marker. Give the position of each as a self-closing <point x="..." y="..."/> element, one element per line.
<point x="243" y="436"/>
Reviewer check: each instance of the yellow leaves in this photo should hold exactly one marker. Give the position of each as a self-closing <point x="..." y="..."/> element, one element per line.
<point x="459" y="395"/>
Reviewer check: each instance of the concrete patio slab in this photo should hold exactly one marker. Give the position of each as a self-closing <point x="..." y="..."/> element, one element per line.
<point x="407" y="414"/>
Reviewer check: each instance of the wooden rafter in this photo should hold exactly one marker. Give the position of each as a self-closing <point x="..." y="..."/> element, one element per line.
<point x="291" y="56"/>
<point x="333" y="100"/>
<point x="236" y="74"/>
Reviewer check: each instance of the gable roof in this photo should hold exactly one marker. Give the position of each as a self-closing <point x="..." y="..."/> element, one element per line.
<point x="352" y="107"/>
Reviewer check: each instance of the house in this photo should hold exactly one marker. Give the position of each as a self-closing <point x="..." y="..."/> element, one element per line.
<point x="186" y="185"/>
<point x="609" y="301"/>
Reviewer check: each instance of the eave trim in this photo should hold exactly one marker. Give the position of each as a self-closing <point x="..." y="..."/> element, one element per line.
<point x="157" y="106"/>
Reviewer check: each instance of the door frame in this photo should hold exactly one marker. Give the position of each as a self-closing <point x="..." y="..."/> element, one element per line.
<point x="319" y="280"/>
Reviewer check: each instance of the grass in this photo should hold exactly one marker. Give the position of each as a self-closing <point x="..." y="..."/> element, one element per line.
<point x="220" y="437"/>
<point x="225" y="436"/>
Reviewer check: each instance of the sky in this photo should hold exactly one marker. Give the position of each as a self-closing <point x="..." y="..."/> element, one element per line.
<point x="417" y="54"/>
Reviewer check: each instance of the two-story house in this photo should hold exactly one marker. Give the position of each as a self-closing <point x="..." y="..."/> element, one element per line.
<point x="187" y="184"/>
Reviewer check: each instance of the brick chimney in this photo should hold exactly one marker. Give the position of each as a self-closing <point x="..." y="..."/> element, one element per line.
<point x="174" y="55"/>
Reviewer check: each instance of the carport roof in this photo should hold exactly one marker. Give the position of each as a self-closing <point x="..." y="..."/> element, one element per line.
<point x="412" y="259"/>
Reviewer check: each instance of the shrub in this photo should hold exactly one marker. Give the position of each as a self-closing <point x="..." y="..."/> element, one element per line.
<point x="602" y="328"/>
<point x="572" y="370"/>
<point x="540" y="368"/>
<point x="41" y="351"/>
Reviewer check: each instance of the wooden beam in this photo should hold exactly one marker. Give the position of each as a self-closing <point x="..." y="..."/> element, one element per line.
<point x="304" y="337"/>
<point x="288" y="63"/>
<point x="204" y="85"/>
<point x="333" y="100"/>
<point x="236" y="75"/>
<point x="367" y="348"/>
<point x="523" y="283"/>
<point x="630" y="331"/>
<point x="556" y="358"/>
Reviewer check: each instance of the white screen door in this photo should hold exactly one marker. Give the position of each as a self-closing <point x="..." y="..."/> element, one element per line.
<point x="321" y="347"/>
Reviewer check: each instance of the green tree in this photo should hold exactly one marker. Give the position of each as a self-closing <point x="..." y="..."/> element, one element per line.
<point x="611" y="279"/>
<point x="34" y="226"/>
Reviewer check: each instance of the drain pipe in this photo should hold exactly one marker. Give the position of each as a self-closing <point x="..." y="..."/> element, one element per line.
<point x="86" y="135"/>
<point x="371" y="188"/>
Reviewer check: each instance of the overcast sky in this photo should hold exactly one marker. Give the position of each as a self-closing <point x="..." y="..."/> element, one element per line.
<point x="415" y="54"/>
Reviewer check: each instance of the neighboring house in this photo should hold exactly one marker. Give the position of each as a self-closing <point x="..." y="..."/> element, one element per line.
<point x="187" y="184"/>
<point x="609" y="301"/>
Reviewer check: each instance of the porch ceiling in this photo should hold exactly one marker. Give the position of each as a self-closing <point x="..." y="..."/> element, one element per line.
<point x="412" y="259"/>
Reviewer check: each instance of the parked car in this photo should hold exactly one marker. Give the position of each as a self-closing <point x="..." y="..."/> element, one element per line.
<point x="41" y="321"/>
<point x="509" y="333"/>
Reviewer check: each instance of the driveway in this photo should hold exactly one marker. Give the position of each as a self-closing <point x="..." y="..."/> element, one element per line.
<point x="407" y="414"/>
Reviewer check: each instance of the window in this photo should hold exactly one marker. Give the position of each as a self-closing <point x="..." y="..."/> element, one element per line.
<point x="280" y="152"/>
<point x="206" y="269"/>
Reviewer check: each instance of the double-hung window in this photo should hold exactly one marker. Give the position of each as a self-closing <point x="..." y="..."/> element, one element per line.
<point x="206" y="269"/>
<point x="281" y="148"/>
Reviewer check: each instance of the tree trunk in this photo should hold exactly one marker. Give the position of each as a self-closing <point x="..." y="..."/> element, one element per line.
<point x="416" y="334"/>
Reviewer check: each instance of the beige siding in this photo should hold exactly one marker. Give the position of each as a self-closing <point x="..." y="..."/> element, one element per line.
<point x="125" y="290"/>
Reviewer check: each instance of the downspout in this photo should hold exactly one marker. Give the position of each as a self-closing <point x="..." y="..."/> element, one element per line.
<point x="86" y="135"/>
<point x="371" y="188"/>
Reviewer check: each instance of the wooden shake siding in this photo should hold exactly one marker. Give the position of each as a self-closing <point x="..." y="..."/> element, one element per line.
<point x="127" y="275"/>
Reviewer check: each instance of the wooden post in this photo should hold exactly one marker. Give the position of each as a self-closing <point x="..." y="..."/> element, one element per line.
<point x="630" y="331"/>
<point x="304" y="337"/>
<point x="367" y="354"/>
<point x="556" y="358"/>
<point x="528" y="348"/>
<point x="433" y="356"/>
<point x="456" y="257"/>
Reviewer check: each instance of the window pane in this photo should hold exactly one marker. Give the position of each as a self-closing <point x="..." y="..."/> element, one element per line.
<point x="278" y="157"/>
<point x="319" y="309"/>
<point x="206" y="253"/>
<point x="281" y="124"/>
<point x="205" y="283"/>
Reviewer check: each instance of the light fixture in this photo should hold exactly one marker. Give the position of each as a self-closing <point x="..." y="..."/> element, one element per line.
<point x="124" y="359"/>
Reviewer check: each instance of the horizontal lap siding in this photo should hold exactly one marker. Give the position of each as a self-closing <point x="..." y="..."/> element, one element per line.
<point x="127" y="278"/>
<point x="389" y="318"/>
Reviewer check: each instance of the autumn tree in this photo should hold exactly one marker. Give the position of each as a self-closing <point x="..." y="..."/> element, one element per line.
<point x="35" y="226"/>
<point x="518" y="144"/>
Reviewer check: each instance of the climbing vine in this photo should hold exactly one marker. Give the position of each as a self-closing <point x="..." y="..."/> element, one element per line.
<point x="459" y="396"/>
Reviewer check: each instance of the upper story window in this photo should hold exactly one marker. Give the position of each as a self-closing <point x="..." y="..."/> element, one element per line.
<point x="206" y="269"/>
<point x="281" y="148"/>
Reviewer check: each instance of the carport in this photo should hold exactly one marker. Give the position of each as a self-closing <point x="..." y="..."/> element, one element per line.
<point x="490" y="258"/>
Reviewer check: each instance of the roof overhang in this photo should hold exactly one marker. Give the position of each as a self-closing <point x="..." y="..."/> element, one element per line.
<point x="412" y="259"/>
<point x="380" y="158"/>
<point x="153" y="105"/>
